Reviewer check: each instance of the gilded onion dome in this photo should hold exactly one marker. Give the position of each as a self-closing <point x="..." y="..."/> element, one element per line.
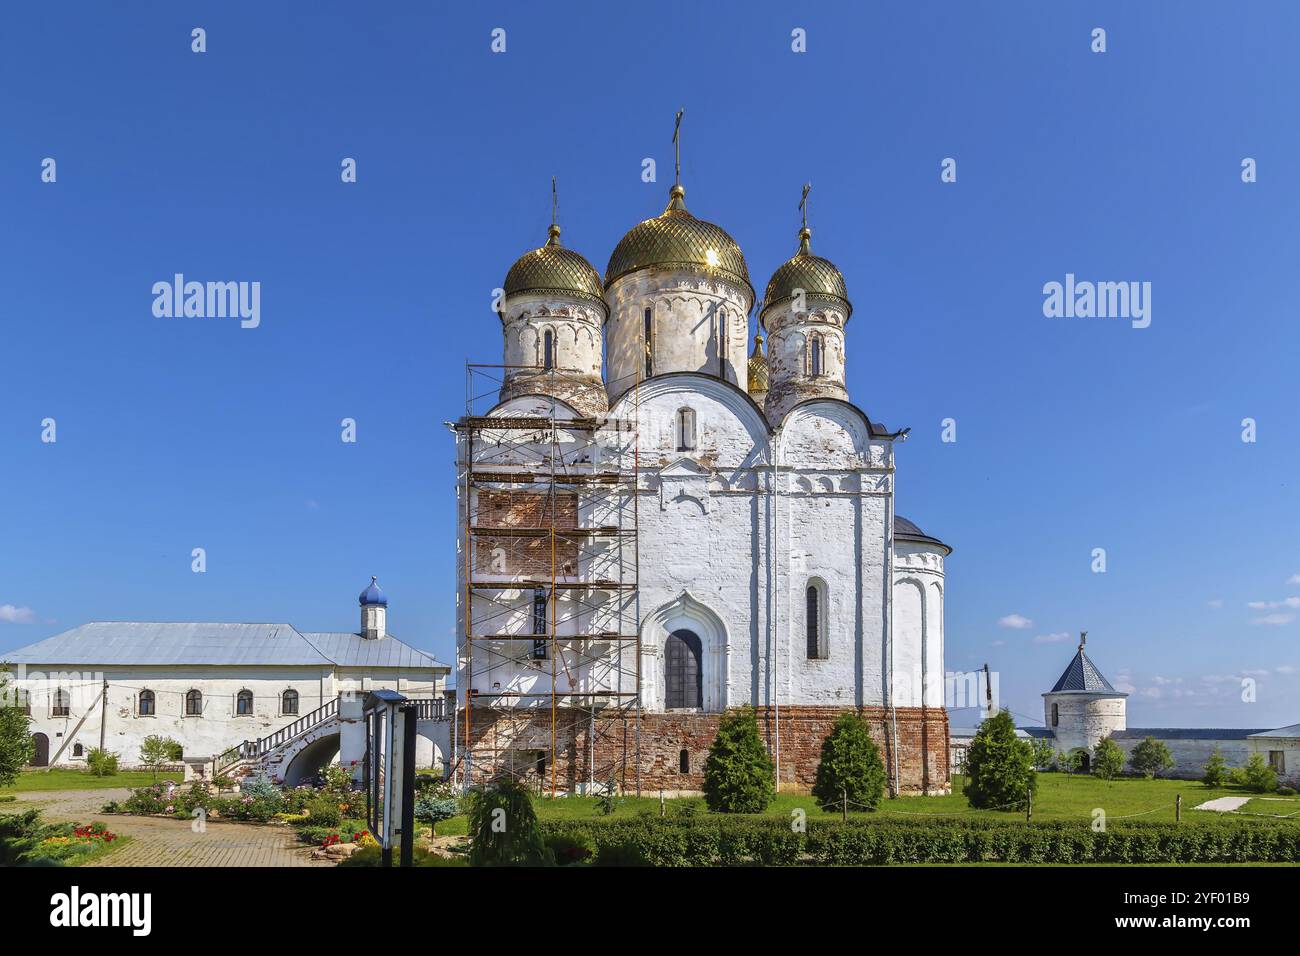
<point x="677" y="240"/>
<point x="757" y="381"/>
<point x="813" y="274"/>
<point x="554" y="269"/>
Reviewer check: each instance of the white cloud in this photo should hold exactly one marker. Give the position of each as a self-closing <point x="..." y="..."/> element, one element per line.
<point x="1285" y="669"/>
<point x="999" y="643"/>
<point x="1162" y="681"/>
<point x="1273" y="619"/>
<point x="1054" y="638"/>
<point x="16" y="615"/>
<point x="1015" y="621"/>
<point x="1293" y="579"/>
<point x="1292" y="602"/>
<point x="1216" y="603"/>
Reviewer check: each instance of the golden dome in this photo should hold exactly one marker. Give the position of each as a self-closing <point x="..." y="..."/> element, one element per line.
<point x="552" y="268"/>
<point x="813" y="274"/>
<point x="757" y="368"/>
<point x="677" y="240"/>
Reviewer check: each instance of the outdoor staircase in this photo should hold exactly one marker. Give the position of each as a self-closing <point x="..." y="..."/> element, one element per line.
<point x="254" y="755"/>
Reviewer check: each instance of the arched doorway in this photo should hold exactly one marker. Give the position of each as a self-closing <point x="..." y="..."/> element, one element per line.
<point x="683" y="676"/>
<point x="1085" y="761"/>
<point x="42" y="756"/>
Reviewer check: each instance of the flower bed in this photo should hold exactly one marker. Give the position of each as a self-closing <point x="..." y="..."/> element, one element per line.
<point x="26" y="841"/>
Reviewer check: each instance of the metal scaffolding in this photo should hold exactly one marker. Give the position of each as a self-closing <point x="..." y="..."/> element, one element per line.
<point x="551" y="649"/>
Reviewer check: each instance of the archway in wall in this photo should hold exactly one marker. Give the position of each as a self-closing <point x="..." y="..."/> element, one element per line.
<point x="685" y="642"/>
<point x="309" y="761"/>
<point x="41" y="757"/>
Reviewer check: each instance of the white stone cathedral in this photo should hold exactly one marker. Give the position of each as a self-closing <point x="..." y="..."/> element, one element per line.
<point x="769" y="566"/>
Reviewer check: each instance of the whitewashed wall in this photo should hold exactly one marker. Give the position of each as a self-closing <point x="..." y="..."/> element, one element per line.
<point x="219" y="727"/>
<point x="687" y="333"/>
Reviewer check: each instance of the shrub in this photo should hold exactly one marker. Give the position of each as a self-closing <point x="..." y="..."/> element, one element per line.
<point x="1281" y="792"/>
<point x="1001" y="766"/>
<point x="1044" y="753"/>
<point x="1256" y="775"/>
<point x="719" y="840"/>
<point x="607" y="801"/>
<point x="101" y="762"/>
<point x="850" y="767"/>
<point x="1107" y="759"/>
<point x="569" y="849"/>
<point x="16" y="747"/>
<point x="156" y="750"/>
<point x="433" y="809"/>
<point x="738" y="773"/>
<point x="323" y="810"/>
<point x="503" y="827"/>
<point x="1216" y="769"/>
<point x="1069" y="761"/>
<point x="1150" y="756"/>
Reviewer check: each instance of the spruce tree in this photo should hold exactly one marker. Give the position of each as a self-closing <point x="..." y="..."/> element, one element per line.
<point x="738" y="771"/>
<point x="1001" y="766"/>
<point x="850" y="767"/>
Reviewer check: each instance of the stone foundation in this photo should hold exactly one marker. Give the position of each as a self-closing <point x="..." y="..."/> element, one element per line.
<point x="521" y="742"/>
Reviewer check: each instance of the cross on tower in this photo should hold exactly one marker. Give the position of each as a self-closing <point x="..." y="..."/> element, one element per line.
<point x="803" y="203"/>
<point x="677" y="147"/>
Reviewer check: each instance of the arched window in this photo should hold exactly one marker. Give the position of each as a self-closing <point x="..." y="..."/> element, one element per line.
<point x="548" y="349"/>
<point x="78" y="750"/>
<point x="1056" y="715"/>
<point x="815" y="357"/>
<point x="685" y="429"/>
<point x="145" y="706"/>
<point x="62" y="703"/>
<point x="683" y="683"/>
<point x="647" y="340"/>
<point x="684" y="762"/>
<point x="194" y="703"/>
<point x="244" y="703"/>
<point x="815" y="621"/>
<point x="289" y="702"/>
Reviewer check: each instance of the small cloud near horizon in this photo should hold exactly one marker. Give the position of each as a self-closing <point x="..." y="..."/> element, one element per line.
<point x="1273" y="620"/>
<point x="16" y="615"/>
<point x="1054" y="638"/>
<point x="1016" y="622"/>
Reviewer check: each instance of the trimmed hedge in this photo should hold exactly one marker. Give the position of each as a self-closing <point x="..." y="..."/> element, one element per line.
<point x="748" y="841"/>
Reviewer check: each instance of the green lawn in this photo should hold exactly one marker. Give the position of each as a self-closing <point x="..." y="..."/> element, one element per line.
<point x="1273" y="807"/>
<point x="1060" y="797"/>
<point x="62" y="779"/>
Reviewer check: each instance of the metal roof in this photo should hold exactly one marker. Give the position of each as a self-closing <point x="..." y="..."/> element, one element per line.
<point x="1184" y="733"/>
<point x="107" y="643"/>
<point x="909" y="530"/>
<point x="1291" y="730"/>
<point x="353" y="650"/>
<point x="1082" y="674"/>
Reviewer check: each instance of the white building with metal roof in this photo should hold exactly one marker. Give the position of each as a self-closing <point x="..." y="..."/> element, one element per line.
<point x="214" y="686"/>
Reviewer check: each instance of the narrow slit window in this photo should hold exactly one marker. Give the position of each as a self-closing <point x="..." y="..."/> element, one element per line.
<point x="685" y="429"/>
<point x="548" y="349"/>
<point x="815" y="358"/>
<point x="684" y="762"/>
<point x="539" y="624"/>
<point x="647" y="336"/>
<point x="815" y="621"/>
<point x="722" y="343"/>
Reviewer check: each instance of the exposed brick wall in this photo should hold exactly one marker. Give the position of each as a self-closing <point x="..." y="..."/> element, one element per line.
<point x="922" y="745"/>
<point x="525" y="509"/>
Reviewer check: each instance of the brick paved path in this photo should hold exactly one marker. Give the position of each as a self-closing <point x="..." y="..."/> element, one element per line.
<point x="160" y="842"/>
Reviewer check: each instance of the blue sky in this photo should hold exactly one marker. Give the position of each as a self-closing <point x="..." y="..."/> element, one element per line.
<point x="1072" y="434"/>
